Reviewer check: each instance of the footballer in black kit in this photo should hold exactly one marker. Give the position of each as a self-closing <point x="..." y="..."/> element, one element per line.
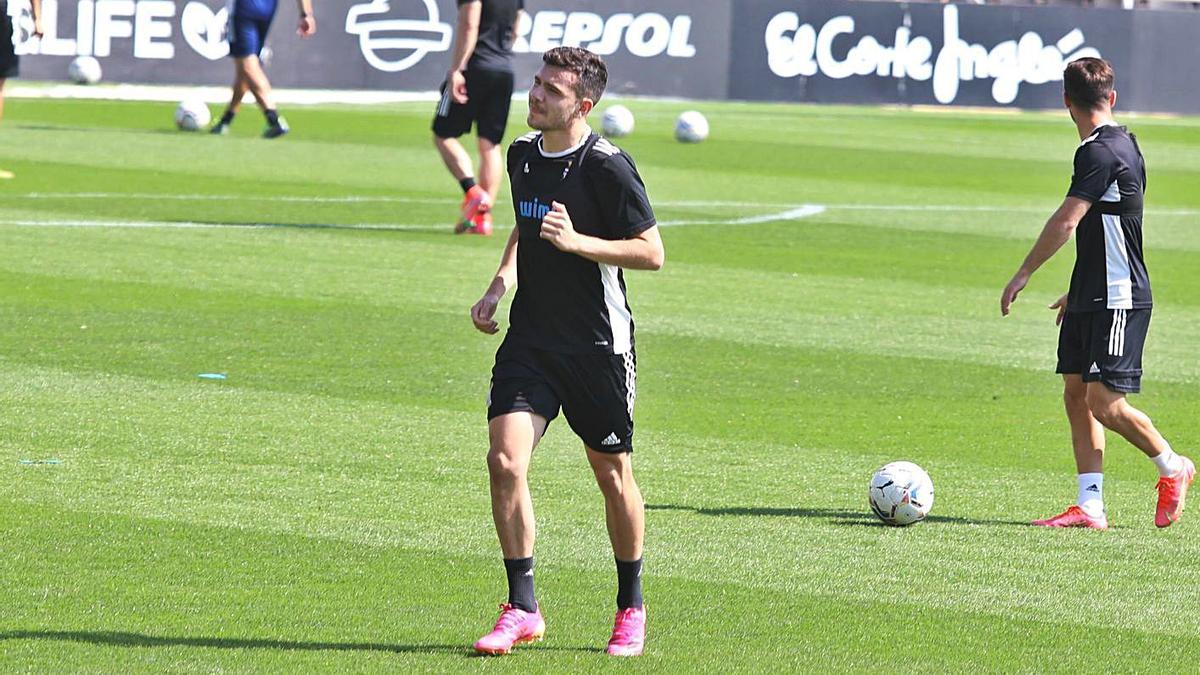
<point x="582" y="215"/>
<point x="570" y="336"/>
<point x="1105" y="314"/>
<point x="1108" y="305"/>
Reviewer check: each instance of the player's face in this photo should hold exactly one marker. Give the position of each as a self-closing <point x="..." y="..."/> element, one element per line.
<point x="553" y="104"/>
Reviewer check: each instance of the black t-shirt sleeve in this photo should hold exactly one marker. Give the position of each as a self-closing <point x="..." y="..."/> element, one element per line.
<point x="1095" y="168"/>
<point x="622" y="196"/>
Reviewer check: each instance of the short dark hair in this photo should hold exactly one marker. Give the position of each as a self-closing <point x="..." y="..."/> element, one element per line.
<point x="590" y="69"/>
<point x="1088" y="82"/>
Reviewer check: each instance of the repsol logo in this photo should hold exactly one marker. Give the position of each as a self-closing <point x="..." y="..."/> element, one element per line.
<point x="532" y="209"/>
<point x="801" y="49"/>
<point x="645" y="35"/>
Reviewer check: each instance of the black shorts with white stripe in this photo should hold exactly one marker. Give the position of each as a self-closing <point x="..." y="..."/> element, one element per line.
<point x="1104" y="346"/>
<point x="595" y="391"/>
<point x="489" y="95"/>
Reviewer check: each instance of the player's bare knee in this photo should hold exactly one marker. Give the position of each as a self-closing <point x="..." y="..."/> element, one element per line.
<point x="504" y="466"/>
<point x="1107" y="413"/>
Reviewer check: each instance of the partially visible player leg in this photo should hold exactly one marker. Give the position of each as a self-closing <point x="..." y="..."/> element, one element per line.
<point x="1087" y="438"/>
<point x="512" y="439"/>
<point x="475" y="199"/>
<point x="240" y="87"/>
<point x="1176" y="472"/>
<point x="624" y="514"/>
<point x="260" y="86"/>
<point x="491" y="171"/>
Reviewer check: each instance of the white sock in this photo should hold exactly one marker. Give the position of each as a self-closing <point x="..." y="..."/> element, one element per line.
<point x="1168" y="462"/>
<point x="1091" y="493"/>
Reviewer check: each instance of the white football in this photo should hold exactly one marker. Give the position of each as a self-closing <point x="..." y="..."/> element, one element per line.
<point x="691" y="127"/>
<point x="617" y="122"/>
<point x="901" y="493"/>
<point x="192" y="115"/>
<point x="84" y="70"/>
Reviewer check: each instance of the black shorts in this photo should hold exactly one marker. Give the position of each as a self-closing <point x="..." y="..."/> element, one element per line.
<point x="9" y="61"/>
<point x="596" y="391"/>
<point x="1104" y="346"/>
<point x="489" y="95"/>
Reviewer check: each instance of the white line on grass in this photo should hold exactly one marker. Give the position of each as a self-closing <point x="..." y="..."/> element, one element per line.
<point x="792" y="214"/>
<point x="194" y="225"/>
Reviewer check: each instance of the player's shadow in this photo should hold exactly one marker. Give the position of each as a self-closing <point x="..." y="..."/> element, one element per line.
<point x="835" y="516"/>
<point x="126" y="639"/>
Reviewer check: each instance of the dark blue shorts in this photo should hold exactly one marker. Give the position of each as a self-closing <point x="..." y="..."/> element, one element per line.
<point x="247" y="36"/>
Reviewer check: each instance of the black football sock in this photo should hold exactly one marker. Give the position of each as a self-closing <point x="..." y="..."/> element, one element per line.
<point x="520" y="583"/>
<point x="467" y="183"/>
<point x="272" y="117"/>
<point x="227" y="118"/>
<point x="629" y="584"/>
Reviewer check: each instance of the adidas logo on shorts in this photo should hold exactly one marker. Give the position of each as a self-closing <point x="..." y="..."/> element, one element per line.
<point x="611" y="440"/>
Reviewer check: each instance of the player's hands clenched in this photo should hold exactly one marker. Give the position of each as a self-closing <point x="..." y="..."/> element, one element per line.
<point x="558" y="229"/>
<point x="482" y="313"/>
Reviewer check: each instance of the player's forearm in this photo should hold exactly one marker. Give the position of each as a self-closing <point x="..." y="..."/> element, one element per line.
<point x="465" y="37"/>
<point x="35" y="10"/>
<point x="506" y="275"/>
<point x="634" y="254"/>
<point x="1056" y="233"/>
<point x="304" y="7"/>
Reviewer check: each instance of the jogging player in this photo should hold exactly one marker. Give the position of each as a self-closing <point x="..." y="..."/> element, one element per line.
<point x="9" y="61"/>
<point x="582" y="215"/>
<point x="1106" y="312"/>
<point x="249" y="21"/>
<point x="478" y="89"/>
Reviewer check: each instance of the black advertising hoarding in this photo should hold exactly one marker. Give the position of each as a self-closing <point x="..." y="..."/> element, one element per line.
<point x="822" y="51"/>
<point x="664" y="48"/>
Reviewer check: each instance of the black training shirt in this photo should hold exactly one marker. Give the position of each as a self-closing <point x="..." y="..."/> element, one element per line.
<point x="493" y="50"/>
<point x="565" y="302"/>
<point x="1110" y="270"/>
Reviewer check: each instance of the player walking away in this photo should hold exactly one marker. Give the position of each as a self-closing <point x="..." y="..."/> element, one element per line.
<point x="249" y="21"/>
<point x="9" y="61"/>
<point x="478" y="89"/>
<point x="582" y="215"/>
<point x="1105" y="314"/>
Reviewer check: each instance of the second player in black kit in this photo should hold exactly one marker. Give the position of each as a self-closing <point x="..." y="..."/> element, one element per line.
<point x="1105" y="314"/>
<point x="570" y="337"/>
<point x="1109" y="302"/>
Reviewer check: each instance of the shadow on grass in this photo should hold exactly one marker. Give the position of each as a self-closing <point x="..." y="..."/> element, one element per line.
<point x="123" y="639"/>
<point x="835" y="516"/>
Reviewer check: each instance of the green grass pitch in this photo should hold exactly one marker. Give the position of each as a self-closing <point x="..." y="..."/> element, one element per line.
<point x="325" y="507"/>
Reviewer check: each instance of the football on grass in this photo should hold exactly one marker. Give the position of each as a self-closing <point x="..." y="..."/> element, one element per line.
<point x="901" y="493"/>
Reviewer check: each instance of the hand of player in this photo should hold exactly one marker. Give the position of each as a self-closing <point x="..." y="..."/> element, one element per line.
<point x="457" y="83"/>
<point x="1011" y="290"/>
<point x="37" y="27"/>
<point x="558" y="229"/>
<point x="482" y="313"/>
<point x="308" y="26"/>
<point x="1061" y="306"/>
